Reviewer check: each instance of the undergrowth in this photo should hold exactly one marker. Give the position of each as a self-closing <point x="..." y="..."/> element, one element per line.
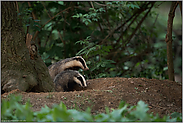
<point x="13" y="110"/>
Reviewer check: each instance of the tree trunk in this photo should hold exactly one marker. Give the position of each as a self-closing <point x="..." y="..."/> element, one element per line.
<point x="18" y="69"/>
<point x="168" y="40"/>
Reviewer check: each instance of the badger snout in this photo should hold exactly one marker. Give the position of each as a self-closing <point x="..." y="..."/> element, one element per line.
<point x="86" y="69"/>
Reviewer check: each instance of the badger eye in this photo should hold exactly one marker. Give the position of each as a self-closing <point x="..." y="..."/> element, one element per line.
<point x="80" y="78"/>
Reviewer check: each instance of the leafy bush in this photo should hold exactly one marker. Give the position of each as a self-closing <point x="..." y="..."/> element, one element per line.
<point x="13" y="110"/>
<point x="110" y="36"/>
<point x="95" y="57"/>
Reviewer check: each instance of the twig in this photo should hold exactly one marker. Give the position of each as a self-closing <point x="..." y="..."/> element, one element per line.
<point x="160" y="4"/>
<point x="49" y="21"/>
<point x="104" y="4"/>
<point x="33" y="15"/>
<point x="55" y="16"/>
<point x="121" y="25"/>
<point x="46" y="42"/>
<point x="117" y="28"/>
<point x="109" y="25"/>
<point x="139" y="24"/>
<point x="92" y="4"/>
<point x="100" y="4"/>
<point x="128" y="26"/>
<point x="52" y="29"/>
<point x="46" y="9"/>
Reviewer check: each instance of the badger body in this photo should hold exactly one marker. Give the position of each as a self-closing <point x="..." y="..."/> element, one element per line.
<point x="74" y="63"/>
<point x="69" y="80"/>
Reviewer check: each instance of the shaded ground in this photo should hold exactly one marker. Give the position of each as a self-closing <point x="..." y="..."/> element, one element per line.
<point x="162" y="96"/>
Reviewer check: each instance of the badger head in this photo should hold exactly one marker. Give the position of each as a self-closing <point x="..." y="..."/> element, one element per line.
<point x="75" y="63"/>
<point x="79" y="79"/>
<point x="69" y="80"/>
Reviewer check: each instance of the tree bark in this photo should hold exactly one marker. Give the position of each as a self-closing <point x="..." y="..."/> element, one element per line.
<point x="168" y="40"/>
<point x="18" y="69"/>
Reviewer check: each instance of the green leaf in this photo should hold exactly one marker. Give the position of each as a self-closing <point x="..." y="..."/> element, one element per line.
<point x="60" y="114"/>
<point x="102" y="118"/>
<point x="61" y="2"/>
<point x="140" y="111"/>
<point x="63" y="106"/>
<point x="80" y="116"/>
<point x="122" y="104"/>
<point x="165" y="68"/>
<point x="117" y="114"/>
<point x="107" y="110"/>
<point x="13" y="110"/>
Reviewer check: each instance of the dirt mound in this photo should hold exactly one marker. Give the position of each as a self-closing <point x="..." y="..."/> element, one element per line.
<point x="162" y="96"/>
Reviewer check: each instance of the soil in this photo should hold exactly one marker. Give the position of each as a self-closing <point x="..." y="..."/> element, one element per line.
<point x="162" y="96"/>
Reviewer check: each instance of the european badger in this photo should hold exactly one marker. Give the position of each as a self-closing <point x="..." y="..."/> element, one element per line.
<point x="74" y="63"/>
<point x="69" y="80"/>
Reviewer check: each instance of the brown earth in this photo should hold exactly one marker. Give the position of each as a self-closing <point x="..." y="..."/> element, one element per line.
<point x="162" y="96"/>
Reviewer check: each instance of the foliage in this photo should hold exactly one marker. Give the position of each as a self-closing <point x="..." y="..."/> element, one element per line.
<point x="94" y="55"/>
<point x="116" y="38"/>
<point x="13" y="110"/>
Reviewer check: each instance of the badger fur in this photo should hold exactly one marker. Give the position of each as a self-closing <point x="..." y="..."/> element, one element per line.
<point x="69" y="80"/>
<point x="74" y="63"/>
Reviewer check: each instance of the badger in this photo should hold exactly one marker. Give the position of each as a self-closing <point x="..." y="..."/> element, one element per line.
<point x="69" y="80"/>
<point x="74" y="63"/>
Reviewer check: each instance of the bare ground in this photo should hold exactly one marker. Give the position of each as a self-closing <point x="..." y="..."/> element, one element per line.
<point x="162" y="96"/>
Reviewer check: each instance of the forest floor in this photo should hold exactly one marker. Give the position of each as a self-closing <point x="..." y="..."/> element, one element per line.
<point x="162" y="96"/>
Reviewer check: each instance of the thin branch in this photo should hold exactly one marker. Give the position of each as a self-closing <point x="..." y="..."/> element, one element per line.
<point x="52" y="29"/>
<point x="46" y="42"/>
<point x="99" y="4"/>
<point x="49" y="21"/>
<point x="109" y="25"/>
<point x="55" y="16"/>
<point x="139" y="24"/>
<point x="160" y="4"/>
<point x="104" y="4"/>
<point x="121" y="25"/>
<point x="33" y="15"/>
<point x="46" y="9"/>
<point x="92" y="4"/>
<point x="129" y="26"/>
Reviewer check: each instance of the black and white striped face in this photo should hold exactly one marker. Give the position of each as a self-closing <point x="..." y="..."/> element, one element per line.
<point x="79" y="79"/>
<point x="75" y="63"/>
<point x="80" y="59"/>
